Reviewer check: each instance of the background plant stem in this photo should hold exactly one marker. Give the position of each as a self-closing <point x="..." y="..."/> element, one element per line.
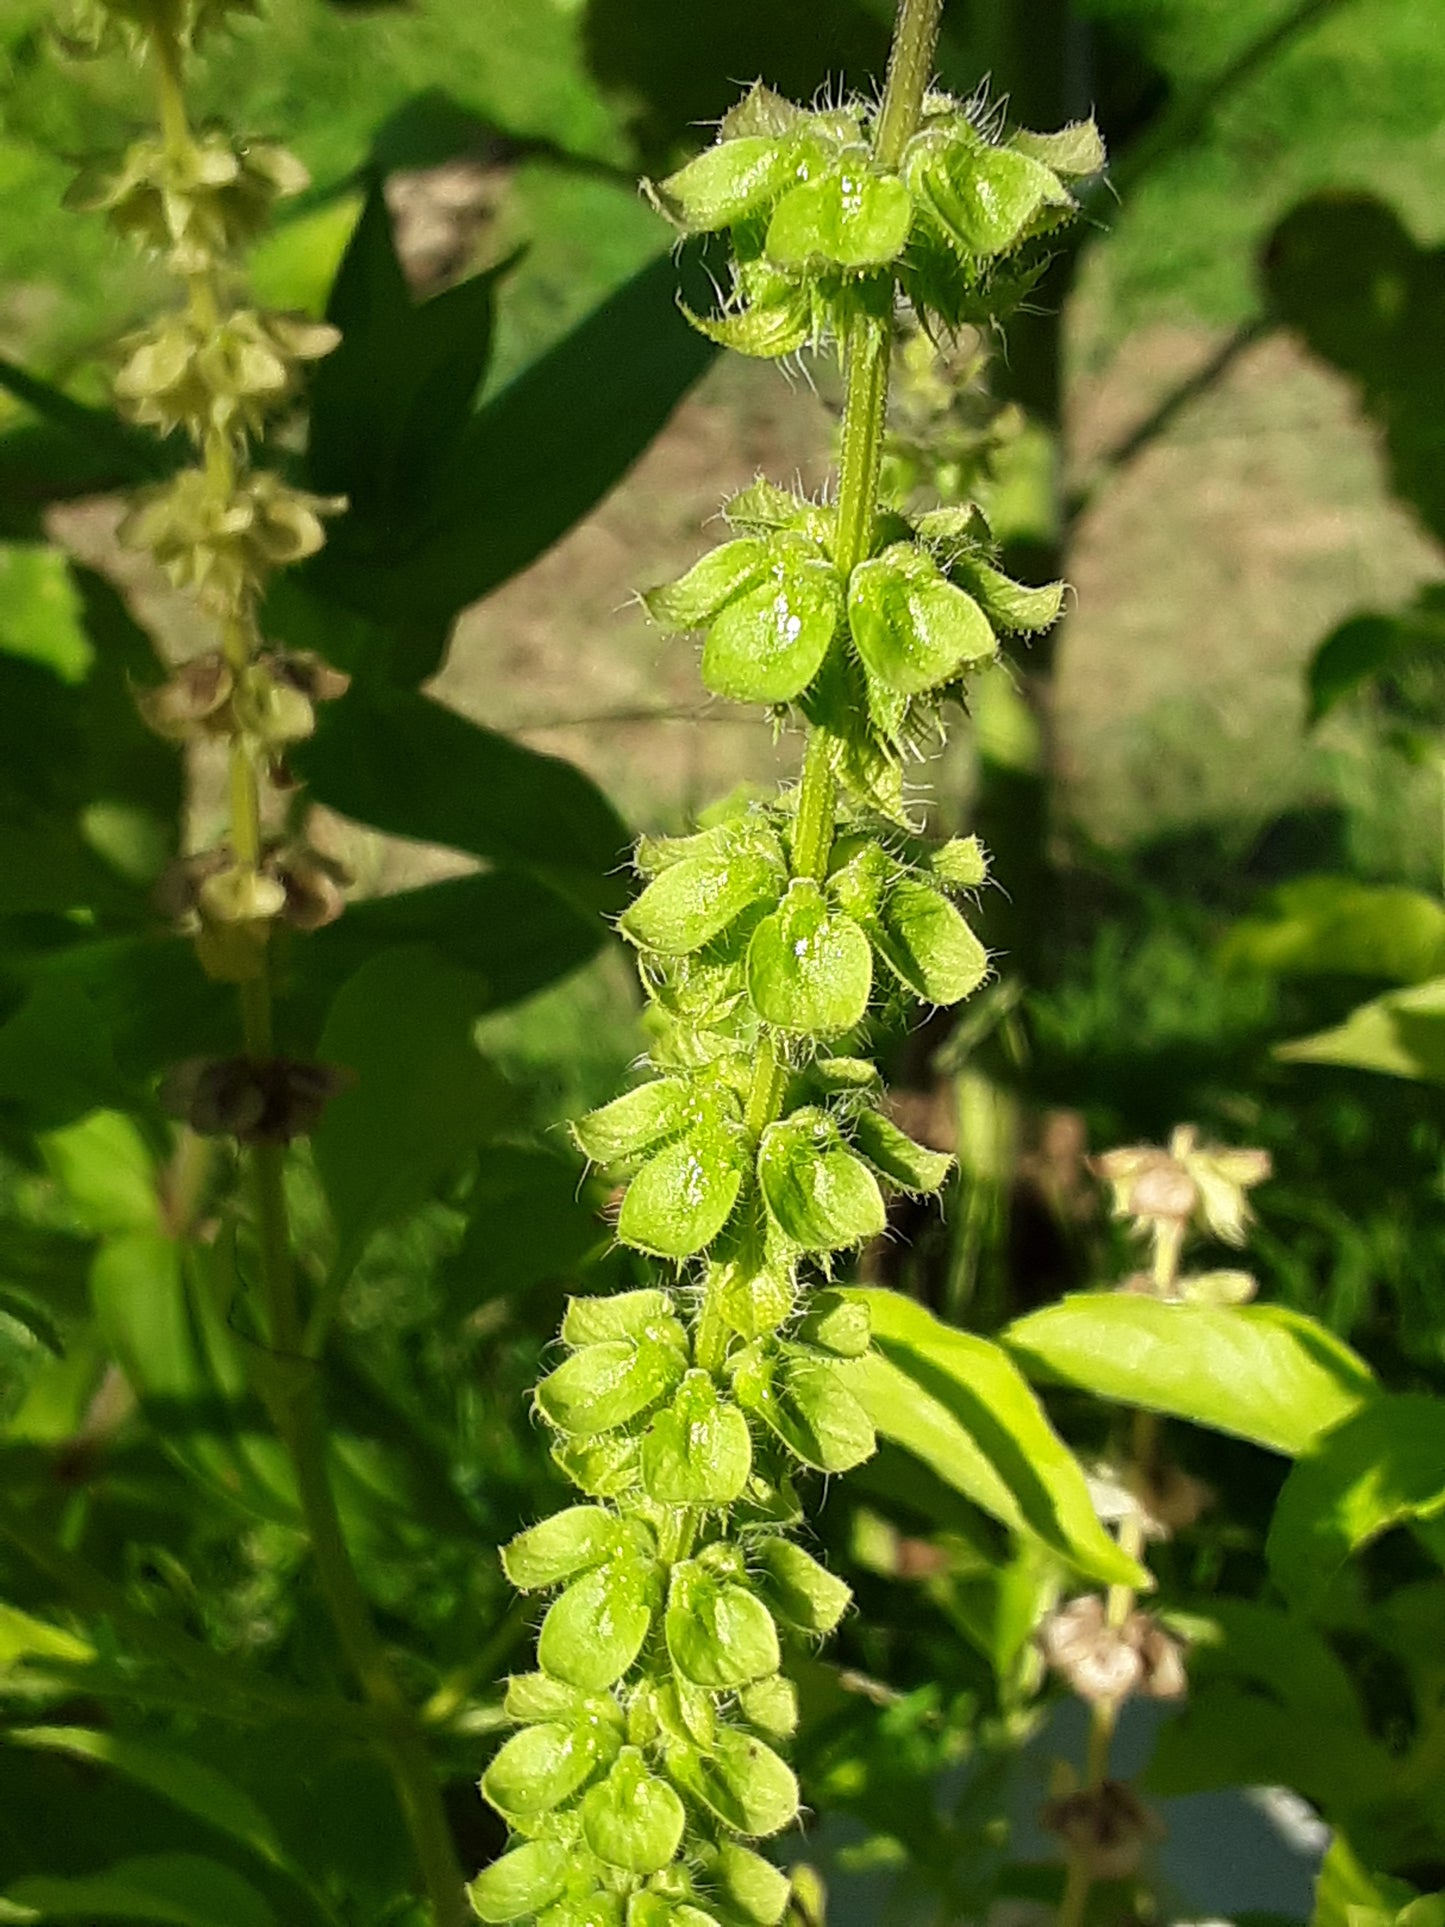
<point x="294" y="1403"/>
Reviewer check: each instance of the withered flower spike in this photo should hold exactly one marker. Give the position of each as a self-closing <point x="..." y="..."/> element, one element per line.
<point x="1106" y="1664"/>
<point x="192" y="700"/>
<point x="1104" y="1827"/>
<point x="259" y="1103"/>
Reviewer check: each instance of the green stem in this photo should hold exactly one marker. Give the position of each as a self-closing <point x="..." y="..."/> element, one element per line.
<point x="910" y="67"/>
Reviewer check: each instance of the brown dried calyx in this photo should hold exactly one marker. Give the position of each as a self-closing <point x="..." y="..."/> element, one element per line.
<point x="293" y="883"/>
<point x="272" y="700"/>
<point x="1104" y="1828"/>
<point x="268" y="1102"/>
<point x="1108" y="1663"/>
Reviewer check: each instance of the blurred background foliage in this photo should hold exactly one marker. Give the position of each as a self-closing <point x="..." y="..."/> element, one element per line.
<point x="1216" y="803"/>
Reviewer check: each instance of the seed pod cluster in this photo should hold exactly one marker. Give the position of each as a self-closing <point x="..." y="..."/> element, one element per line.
<point x="219" y="371"/>
<point x="646" y="1762"/>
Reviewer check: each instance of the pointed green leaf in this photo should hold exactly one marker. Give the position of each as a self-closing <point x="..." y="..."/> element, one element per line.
<point x="959" y="1403"/>
<point x="164" y="1889"/>
<point x="1381" y="1467"/>
<point x="1260" y="1372"/>
<point x="1399" y="1035"/>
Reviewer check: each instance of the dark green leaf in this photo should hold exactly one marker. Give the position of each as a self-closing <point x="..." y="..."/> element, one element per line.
<point x="56" y="1062"/>
<point x="424" y="1097"/>
<point x="166" y="1889"/>
<point x="531" y="1221"/>
<point x="406" y="764"/>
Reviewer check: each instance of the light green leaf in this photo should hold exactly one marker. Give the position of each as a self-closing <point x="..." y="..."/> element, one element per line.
<point x="1074" y="151"/>
<point x="606" y="1384"/>
<point x="191" y="1785"/>
<point x="22" y="1636"/>
<point x="809" y="969"/>
<point x="1260" y="1372"/>
<point x="540" y="1767"/>
<point x="957" y="1402"/>
<point x="107" y="1170"/>
<point x="562" y="1545"/>
<point x="522" y="1882"/>
<point x="1380" y="1467"/>
<point x="424" y="1097"/>
<point x="633" y="1122"/>
<point x="165" y="1889"/>
<point x="808" y="1401"/>
<point x="1401" y="1035"/>
<point x="1338" y="927"/>
<point x="806" y="1595"/>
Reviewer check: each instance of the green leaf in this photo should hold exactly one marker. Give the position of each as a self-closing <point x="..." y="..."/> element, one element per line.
<point x="913" y="628"/>
<point x="22" y="1636"/>
<point x="957" y="1402"/>
<point x="107" y="1171"/>
<point x="530" y="1222"/>
<point x="1346" y="1890"/>
<point x="170" y="1889"/>
<point x="819" y="1195"/>
<point x="712" y="581"/>
<point x="1399" y="1035"/>
<point x="390" y="404"/>
<point x="539" y="454"/>
<point x="1259" y="1372"/>
<point x="1381" y="1467"/>
<point x="1332" y="926"/>
<point x="56" y="1063"/>
<point x="767" y="643"/>
<point x="850" y="216"/>
<point x="189" y="1784"/>
<point x="806" y="1595"/>
<point x="412" y="767"/>
<point x="1372" y="649"/>
<point x="1226" y="1737"/>
<point x="633" y="1122"/>
<point x="423" y="1100"/>
<point x="809" y="969"/>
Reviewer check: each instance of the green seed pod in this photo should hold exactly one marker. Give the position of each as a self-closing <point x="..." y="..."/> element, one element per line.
<point x="762" y="509"/>
<point x="592" y="1634"/>
<point x="570" y="1542"/>
<point x="606" y="1384"/>
<point x="771" y="1705"/>
<point x="725" y="184"/>
<point x="698" y="1451"/>
<point x="695" y="900"/>
<point x="540" y="1767"/>
<point x="719" y="1634"/>
<point x="804" y="1594"/>
<point x="711" y="583"/>
<point x="927" y="945"/>
<point x="761" y="111"/>
<point x="803" y="1398"/>
<point x="987" y="200"/>
<point x="603" y="1468"/>
<point x="818" y="1194"/>
<point x="634" y="1122"/>
<point x="767" y="644"/>
<point x="757" y="1888"/>
<point x="630" y="1314"/>
<point x="681" y="1198"/>
<point x="809" y="969"/>
<point x="1075" y="151"/>
<point x="836" y="1076"/>
<point x="594" y="1910"/>
<point x="755" y="1290"/>
<point x="836" y="1324"/>
<point x="959" y="864"/>
<point x="633" y="1820"/>
<point x="522" y="1882"/>
<point x="912" y="1167"/>
<point x="766" y="326"/>
<point x="850" y="217"/>
<point x="532" y="1697"/>
<point x="1018" y="607"/>
<point x="742" y="1782"/>
<point x="913" y="629"/>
